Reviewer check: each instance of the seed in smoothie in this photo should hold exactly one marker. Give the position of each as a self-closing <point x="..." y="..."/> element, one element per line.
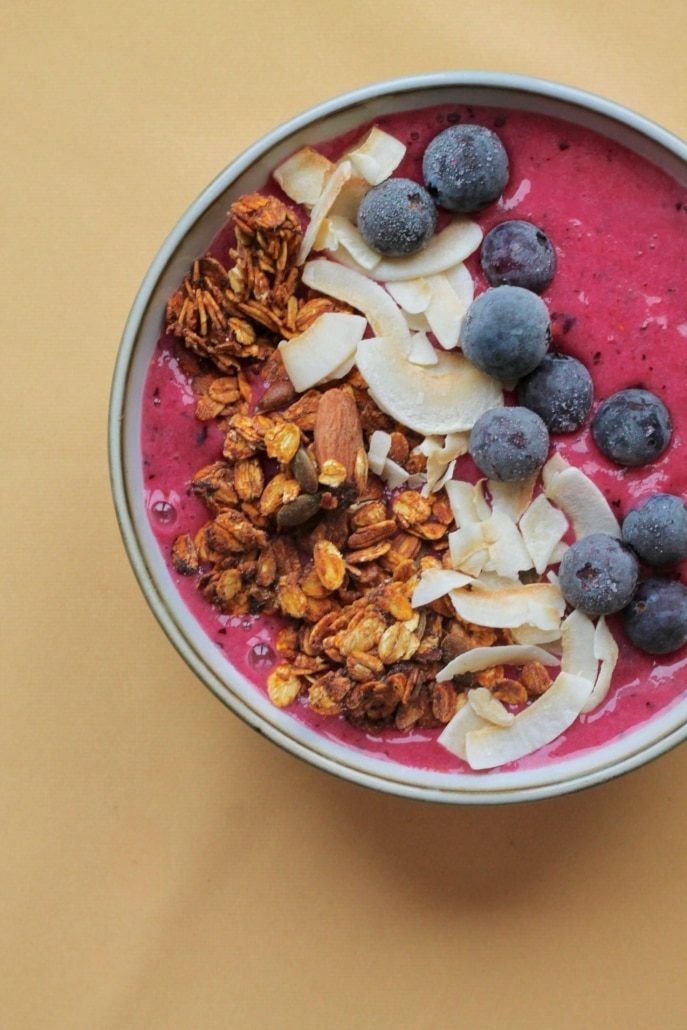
<point x="465" y="168"/>
<point x="632" y="427"/>
<point x="518" y="253"/>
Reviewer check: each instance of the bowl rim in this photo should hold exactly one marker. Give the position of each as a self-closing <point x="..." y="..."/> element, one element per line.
<point x="513" y="84"/>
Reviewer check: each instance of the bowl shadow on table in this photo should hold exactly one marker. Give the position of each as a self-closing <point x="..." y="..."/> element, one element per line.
<point x="481" y="858"/>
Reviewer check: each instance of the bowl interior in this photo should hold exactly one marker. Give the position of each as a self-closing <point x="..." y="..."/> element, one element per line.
<point x="190" y="238"/>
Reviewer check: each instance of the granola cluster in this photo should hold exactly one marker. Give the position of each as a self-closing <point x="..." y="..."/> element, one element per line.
<point x="298" y="526"/>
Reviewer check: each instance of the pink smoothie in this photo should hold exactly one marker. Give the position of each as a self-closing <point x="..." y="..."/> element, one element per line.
<point x="617" y="302"/>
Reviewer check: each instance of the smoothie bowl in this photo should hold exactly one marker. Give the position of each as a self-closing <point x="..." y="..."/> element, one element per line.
<point x="398" y="443"/>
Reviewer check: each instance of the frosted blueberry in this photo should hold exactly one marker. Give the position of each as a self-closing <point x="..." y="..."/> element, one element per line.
<point x="465" y="168"/>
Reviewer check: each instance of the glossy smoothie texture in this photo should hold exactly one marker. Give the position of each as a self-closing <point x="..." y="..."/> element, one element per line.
<point x="619" y="227"/>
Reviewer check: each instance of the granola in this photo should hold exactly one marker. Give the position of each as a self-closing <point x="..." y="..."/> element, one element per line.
<point x="298" y="524"/>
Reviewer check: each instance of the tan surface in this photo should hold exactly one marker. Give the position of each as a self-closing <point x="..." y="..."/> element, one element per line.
<point x="161" y="865"/>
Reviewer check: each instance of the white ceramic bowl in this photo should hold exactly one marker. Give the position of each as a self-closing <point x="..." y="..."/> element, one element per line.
<point x="189" y="239"/>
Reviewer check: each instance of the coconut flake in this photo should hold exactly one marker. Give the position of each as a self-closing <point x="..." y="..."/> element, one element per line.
<point x="377" y="155"/>
<point x="322" y="348"/>
<point x="538" y="604"/>
<point x="441" y="454"/>
<point x="606" y="650"/>
<point x="467" y="501"/>
<point x="445" y="249"/>
<point x="445" y="312"/>
<point x="447" y="397"/>
<point x="577" y="640"/>
<point x="543" y="527"/>
<point x="532" y="728"/>
<point x="489" y="707"/>
<point x="467" y="550"/>
<point x="507" y="552"/>
<point x="422" y="351"/>
<point x="303" y="175"/>
<point x="332" y="188"/>
<point x="378" y="449"/>
<point x="413" y="295"/>
<point x="579" y="498"/>
<point x="454" y="733"/>
<point x="366" y="295"/>
<point x="462" y="283"/>
<point x="435" y="583"/>
<point x="512" y="498"/>
<point x="344" y="234"/>
<point x="320" y="351"/>
<point x="479" y="658"/>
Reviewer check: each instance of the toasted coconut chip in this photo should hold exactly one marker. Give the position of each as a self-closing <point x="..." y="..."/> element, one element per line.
<point x="436" y="583"/>
<point x="467" y="501"/>
<point x="447" y="397"/>
<point x="349" y="198"/>
<point x="507" y="552"/>
<point x="532" y="728"/>
<point x="413" y="295"/>
<point x="489" y="707"/>
<point x="511" y="498"/>
<point x="333" y="186"/>
<point x="445" y="249"/>
<point x="422" y="351"/>
<point x="577" y="640"/>
<point x="538" y="604"/>
<point x="606" y="650"/>
<point x="326" y="238"/>
<point x="445" y="312"/>
<point x="579" y="498"/>
<point x="479" y="658"/>
<point x="416" y="323"/>
<point x="462" y="282"/>
<point x="543" y="527"/>
<point x="320" y="350"/>
<point x="377" y="155"/>
<point x="441" y="454"/>
<point x="379" y="447"/>
<point x="364" y="294"/>
<point x="528" y="634"/>
<point x="395" y="475"/>
<point x="343" y="233"/>
<point x="303" y="175"/>
<point x="467" y="549"/>
<point x="454" y="733"/>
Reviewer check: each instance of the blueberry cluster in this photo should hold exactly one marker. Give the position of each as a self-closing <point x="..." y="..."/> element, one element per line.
<point x="507" y="334"/>
<point x="464" y="168"/>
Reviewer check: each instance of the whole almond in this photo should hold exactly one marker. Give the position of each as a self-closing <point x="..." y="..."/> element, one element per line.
<point x="338" y="432"/>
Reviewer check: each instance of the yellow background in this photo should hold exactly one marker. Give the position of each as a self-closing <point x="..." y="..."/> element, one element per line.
<point x="161" y="865"/>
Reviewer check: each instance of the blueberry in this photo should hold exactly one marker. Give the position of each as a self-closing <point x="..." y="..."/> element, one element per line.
<point x="598" y="574"/>
<point x="655" y="620"/>
<point x="632" y="427"/>
<point x="397" y="217"/>
<point x="465" y="168"/>
<point x="517" y="253"/>
<point x="509" y="444"/>
<point x="506" y="332"/>
<point x="657" y="530"/>
<point x="560" y="390"/>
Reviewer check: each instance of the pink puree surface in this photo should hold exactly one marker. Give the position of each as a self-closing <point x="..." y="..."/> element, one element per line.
<point x="618" y="302"/>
